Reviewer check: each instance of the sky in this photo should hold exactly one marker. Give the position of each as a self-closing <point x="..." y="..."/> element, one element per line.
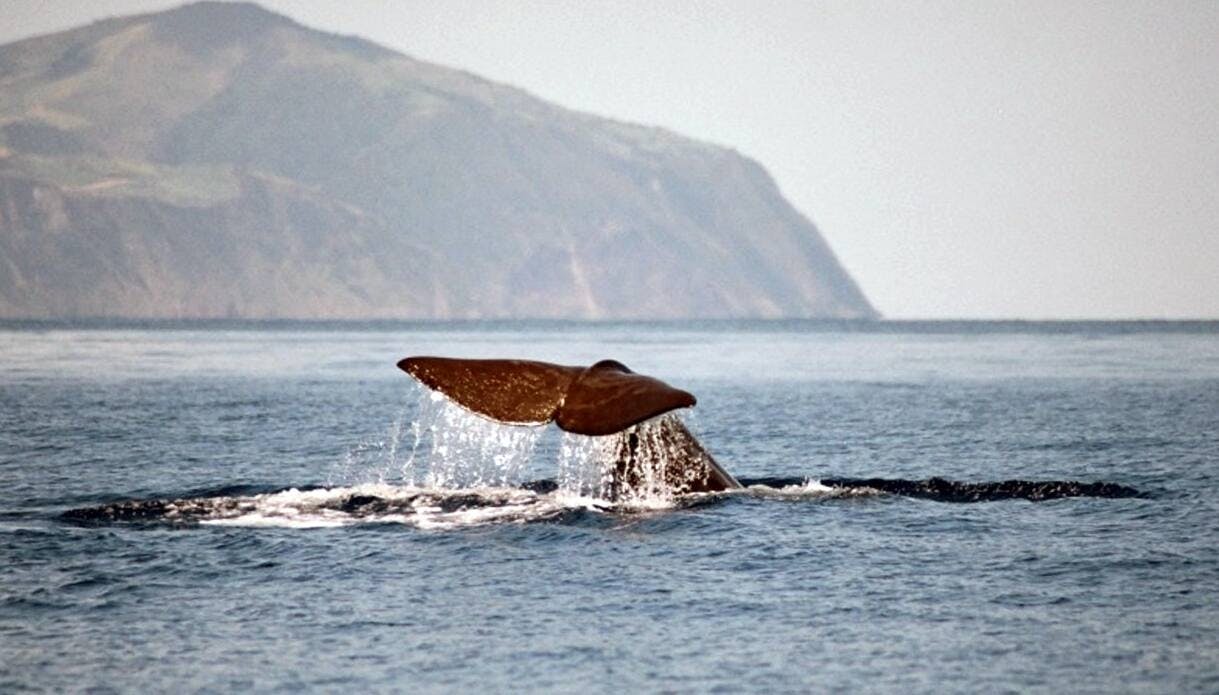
<point x="978" y="159"/>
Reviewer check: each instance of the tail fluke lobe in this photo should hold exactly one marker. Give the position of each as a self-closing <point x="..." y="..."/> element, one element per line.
<point x="511" y="391"/>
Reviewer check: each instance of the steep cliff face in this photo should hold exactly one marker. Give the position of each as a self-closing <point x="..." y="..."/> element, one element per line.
<point x="221" y="160"/>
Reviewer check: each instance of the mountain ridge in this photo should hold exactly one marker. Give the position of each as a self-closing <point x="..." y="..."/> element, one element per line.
<point x="436" y="193"/>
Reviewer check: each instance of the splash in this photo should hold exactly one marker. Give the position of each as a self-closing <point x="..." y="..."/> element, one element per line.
<point x="437" y="445"/>
<point x="464" y="450"/>
<point x="644" y="466"/>
<point x="332" y="507"/>
<point x="447" y="468"/>
<point x="807" y="488"/>
<point x="433" y="443"/>
<point x="586" y="467"/>
<point x="655" y="464"/>
<point x="382" y="504"/>
<point x="374" y="460"/>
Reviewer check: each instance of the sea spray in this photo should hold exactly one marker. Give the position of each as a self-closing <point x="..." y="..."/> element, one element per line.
<point x="434" y="443"/>
<point x="640" y="466"/>
<point x="373" y="460"/>
<point x="464" y="450"/>
<point x="376" y="460"/>
<point x="586" y="466"/>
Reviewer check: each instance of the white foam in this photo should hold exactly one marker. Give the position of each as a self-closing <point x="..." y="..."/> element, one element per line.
<point x="256" y="520"/>
<point x="811" y="488"/>
<point x="409" y="505"/>
<point x="425" y="507"/>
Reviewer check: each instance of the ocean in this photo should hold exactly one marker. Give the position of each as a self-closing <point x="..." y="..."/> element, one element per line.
<point x="459" y="579"/>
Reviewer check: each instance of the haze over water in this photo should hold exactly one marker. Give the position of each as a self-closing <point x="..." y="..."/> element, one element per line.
<point x="789" y="591"/>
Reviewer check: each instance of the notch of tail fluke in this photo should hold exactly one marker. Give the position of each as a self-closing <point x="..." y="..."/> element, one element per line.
<point x="608" y="397"/>
<point x="605" y="398"/>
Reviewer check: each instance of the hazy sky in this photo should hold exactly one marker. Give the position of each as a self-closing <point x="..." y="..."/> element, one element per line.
<point x="1032" y="159"/>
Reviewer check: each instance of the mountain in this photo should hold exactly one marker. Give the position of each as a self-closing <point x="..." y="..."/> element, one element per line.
<point x="222" y="160"/>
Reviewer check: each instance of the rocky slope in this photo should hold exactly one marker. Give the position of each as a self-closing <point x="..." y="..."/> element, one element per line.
<point x="222" y="160"/>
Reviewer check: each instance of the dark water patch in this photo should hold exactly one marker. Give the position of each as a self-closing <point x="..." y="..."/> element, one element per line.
<point x="542" y="487"/>
<point x="1125" y="445"/>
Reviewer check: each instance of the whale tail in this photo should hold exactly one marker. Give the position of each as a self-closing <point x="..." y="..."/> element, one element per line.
<point x="604" y="399"/>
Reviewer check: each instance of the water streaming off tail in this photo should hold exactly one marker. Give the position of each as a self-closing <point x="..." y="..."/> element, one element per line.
<point x="454" y="448"/>
<point x="660" y="460"/>
<point x="437" y="444"/>
<point x="644" y="465"/>
<point x="586" y="465"/>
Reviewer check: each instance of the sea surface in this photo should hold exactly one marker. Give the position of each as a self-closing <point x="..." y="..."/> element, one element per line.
<point x="486" y="586"/>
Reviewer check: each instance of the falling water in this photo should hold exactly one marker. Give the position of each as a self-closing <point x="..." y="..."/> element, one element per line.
<point x="586" y="466"/>
<point x="437" y="444"/>
<point x="464" y="450"/>
<point x="373" y="460"/>
<point x="650" y="458"/>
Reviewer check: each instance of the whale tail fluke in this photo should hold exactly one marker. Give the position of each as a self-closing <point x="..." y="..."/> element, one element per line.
<point x="604" y="399"/>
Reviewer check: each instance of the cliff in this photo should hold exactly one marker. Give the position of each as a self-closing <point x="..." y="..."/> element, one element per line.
<point x="222" y="160"/>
